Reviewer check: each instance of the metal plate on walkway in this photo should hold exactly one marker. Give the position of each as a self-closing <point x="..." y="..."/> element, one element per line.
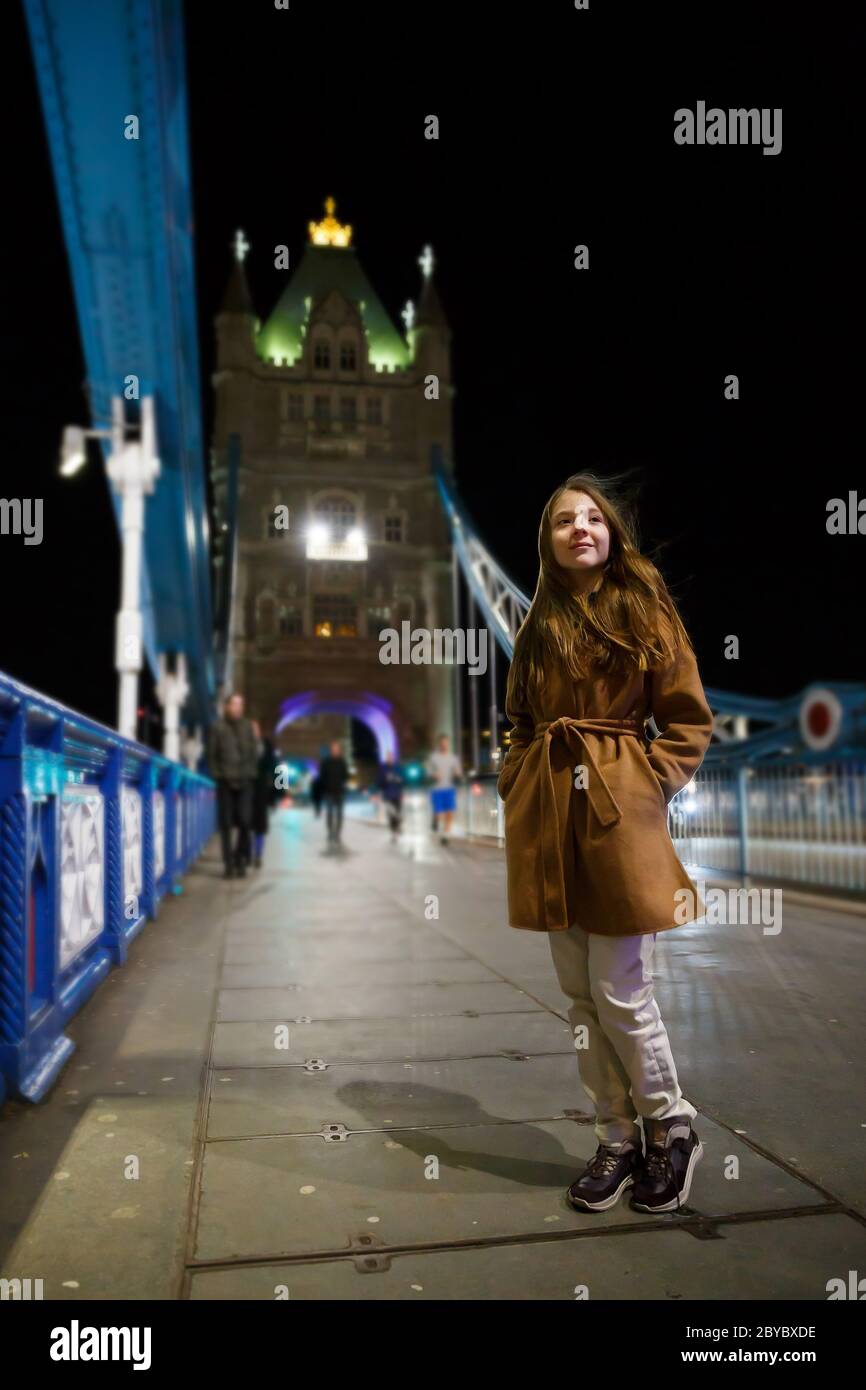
<point x="343" y="919"/>
<point x="289" y="1100"/>
<point x="303" y="1195"/>
<point x="377" y="1001"/>
<point x="389" y="1039"/>
<point x="393" y="946"/>
<point x="250" y="966"/>
<point x="787" y="1259"/>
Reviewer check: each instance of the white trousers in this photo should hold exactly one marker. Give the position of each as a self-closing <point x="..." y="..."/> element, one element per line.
<point x="625" y="1059"/>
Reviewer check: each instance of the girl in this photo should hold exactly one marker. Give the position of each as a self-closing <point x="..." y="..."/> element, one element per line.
<point x="589" y="857"/>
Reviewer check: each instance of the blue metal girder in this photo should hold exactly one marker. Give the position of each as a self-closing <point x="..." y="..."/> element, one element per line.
<point x="127" y="220"/>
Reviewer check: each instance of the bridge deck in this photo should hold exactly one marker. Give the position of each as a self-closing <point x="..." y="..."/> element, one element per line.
<point x="443" y="1039"/>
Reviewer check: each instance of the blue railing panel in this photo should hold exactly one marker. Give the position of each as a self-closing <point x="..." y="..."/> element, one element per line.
<point x="94" y="830"/>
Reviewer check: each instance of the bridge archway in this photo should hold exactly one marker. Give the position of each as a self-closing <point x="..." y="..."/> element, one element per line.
<point x="373" y="710"/>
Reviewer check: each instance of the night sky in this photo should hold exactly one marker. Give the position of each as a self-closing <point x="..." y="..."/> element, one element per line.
<point x="556" y="128"/>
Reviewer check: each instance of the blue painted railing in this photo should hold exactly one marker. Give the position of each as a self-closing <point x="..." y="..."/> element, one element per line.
<point x="94" y="830"/>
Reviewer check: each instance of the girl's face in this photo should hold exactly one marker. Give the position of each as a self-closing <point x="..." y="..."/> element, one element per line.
<point x="579" y="534"/>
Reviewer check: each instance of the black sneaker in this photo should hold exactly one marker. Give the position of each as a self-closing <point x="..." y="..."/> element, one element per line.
<point x="228" y="871"/>
<point x="605" y="1178"/>
<point x="673" y="1152"/>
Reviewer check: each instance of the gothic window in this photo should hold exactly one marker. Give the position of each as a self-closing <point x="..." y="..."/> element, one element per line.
<point x="348" y="410"/>
<point x="322" y="353"/>
<point x="335" y="615"/>
<point x="322" y="409"/>
<point x="338" y="514"/>
<point x="348" y="356"/>
<point x="374" y="410"/>
<point x="394" y="528"/>
<point x="291" y="621"/>
<point x="266" y="618"/>
<point x="404" y="605"/>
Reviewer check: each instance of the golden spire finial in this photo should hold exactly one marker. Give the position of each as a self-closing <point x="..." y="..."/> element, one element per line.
<point x="329" y="232"/>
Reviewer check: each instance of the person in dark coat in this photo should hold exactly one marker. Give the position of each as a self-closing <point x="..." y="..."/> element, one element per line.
<point x="334" y="774"/>
<point x="233" y="763"/>
<point x="389" y="785"/>
<point x="316" y="793"/>
<point x="264" y="796"/>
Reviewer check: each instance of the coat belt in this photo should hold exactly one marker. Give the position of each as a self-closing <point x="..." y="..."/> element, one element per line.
<point x="604" y="808"/>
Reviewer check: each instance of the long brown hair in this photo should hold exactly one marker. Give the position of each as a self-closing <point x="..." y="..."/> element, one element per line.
<point x="621" y="627"/>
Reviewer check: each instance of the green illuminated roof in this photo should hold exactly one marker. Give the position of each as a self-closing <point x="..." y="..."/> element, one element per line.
<point x="323" y="269"/>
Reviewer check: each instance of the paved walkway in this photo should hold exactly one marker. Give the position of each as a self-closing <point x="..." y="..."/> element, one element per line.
<point x="306" y="1084"/>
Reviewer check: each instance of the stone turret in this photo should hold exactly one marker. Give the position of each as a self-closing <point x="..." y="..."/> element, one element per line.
<point x="236" y="322"/>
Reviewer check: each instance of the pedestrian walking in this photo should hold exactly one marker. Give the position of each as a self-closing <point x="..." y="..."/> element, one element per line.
<point x="445" y="769"/>
<point x="264" y="794"/>
<point x="588" y="854"/>
<point x="389" y="786"/>
<point x="334" y="774"/>
<point x="233" y="763"/>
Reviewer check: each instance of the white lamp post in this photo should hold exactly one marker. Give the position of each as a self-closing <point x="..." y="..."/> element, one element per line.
<point x="172" y="689"/>
<point x="133" y="469"/>
<point x="193" y="748"/>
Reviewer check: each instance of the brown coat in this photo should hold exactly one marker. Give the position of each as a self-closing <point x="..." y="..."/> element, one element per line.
<point x="603" y="856"/>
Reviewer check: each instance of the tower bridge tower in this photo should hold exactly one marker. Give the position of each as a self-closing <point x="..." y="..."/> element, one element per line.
<point x="326" y="415"/>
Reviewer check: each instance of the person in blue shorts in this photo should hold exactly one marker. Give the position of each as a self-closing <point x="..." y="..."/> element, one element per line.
<point x="445" y="769"/>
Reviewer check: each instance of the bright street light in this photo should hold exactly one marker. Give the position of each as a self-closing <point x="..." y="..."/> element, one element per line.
<point x="72" y="451"/>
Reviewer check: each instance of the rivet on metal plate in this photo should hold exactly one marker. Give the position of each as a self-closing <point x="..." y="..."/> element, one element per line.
<point x="373" y="1264"/>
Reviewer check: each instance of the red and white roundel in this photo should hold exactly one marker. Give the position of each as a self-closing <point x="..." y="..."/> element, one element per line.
<point x="820" y="719"/>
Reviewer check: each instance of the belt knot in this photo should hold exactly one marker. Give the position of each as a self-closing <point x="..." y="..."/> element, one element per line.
<point x="603" y="806"/>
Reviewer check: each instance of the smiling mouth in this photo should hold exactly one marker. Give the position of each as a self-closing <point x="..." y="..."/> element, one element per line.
<point x="583" y="545"/>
